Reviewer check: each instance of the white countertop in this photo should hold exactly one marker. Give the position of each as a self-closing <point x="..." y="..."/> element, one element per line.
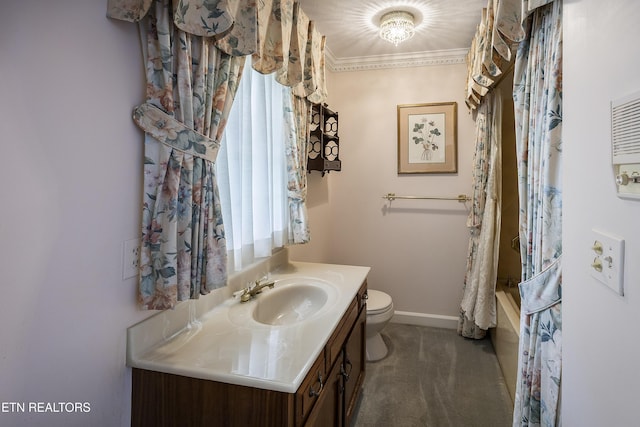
<point x="228" y="345"/>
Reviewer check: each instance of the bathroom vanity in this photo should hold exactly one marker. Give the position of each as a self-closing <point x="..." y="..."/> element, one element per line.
<point x="250" y="364"/>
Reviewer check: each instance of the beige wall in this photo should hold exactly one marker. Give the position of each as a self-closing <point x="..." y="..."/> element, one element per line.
<point x="417" y="249"/>
<point x="71" y="197"/>
<point x="600" y="346"/>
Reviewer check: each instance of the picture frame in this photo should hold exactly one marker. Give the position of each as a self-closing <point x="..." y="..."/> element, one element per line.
<point x="427" y="138"/>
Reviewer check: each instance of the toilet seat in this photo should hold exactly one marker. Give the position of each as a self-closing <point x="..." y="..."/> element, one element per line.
<point x="378" y="302"/>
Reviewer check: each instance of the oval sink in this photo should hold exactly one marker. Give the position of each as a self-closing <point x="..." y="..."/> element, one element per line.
<point x="289" y="304"/>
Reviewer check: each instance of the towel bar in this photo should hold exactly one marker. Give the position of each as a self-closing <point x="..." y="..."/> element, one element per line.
<point x="460" y="198"/>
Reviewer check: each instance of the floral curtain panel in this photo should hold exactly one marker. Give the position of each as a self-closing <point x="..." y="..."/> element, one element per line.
<point x="538" y="111"/>
<point x="528" y="33"/>
<point x="478" y="307"/>
<point x="194" y="52"/>
<point x="190" y="90"/>
<point x="299" y="118"/>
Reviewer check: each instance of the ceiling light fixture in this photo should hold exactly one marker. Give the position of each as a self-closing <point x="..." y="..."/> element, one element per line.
<point x="396" y="26"/>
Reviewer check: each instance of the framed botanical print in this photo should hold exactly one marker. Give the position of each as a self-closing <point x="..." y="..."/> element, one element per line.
<point x="427" y="138"/>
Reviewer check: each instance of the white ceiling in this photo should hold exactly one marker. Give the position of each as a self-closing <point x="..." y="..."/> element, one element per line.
<point x="351" y="27"/>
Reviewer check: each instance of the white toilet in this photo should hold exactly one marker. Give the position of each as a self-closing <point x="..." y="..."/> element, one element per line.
<point x="379" y="312"/>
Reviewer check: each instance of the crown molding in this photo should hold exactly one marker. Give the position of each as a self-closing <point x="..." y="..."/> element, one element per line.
<point x="402" y="60"/>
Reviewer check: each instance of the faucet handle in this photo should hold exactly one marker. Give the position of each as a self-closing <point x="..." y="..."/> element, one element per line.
<point x="262" y="279"/>
<point x="246" y="295"/>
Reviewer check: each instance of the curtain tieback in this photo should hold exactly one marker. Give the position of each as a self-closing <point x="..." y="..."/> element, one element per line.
<point x="169" y="131"/>
<point x="543" y="290"/>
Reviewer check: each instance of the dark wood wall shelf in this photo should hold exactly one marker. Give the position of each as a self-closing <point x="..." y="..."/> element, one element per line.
<point x="324" y="142"/>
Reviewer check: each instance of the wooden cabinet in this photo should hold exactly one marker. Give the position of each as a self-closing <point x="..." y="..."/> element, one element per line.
<point x="345" y="354"/>
<point x="326" y="397"/>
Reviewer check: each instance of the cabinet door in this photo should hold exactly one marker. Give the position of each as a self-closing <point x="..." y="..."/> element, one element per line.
<point x="336" y="342"/>
<point x="353" y="365"/>
<point x="328" y="410"/>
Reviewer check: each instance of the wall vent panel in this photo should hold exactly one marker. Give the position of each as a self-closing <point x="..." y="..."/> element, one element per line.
<point x="625" y="145"/>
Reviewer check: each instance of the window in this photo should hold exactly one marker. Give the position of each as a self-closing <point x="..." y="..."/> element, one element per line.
<point x="251" y="169"/>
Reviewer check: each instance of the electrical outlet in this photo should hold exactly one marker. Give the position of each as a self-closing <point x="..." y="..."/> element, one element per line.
<point x="130" y="258"/>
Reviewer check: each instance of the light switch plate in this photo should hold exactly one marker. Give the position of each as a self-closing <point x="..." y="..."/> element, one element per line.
<point x="607" y="260"/>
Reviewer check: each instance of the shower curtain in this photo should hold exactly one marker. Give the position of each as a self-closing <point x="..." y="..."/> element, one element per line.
<point x="478" y="307"/>
<point x="534" y="28"/>
<point x="538" y="107"/>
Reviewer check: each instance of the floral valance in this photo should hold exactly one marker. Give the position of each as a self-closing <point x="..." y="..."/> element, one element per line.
<point x="492" y="48"/>
<point x="277" y="33"/>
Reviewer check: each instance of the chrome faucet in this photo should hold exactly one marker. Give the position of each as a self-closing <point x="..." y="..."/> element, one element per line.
<point x="250" y="292"/>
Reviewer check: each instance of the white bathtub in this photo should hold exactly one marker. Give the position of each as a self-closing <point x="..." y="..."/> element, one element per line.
<point x="505" y="337"/>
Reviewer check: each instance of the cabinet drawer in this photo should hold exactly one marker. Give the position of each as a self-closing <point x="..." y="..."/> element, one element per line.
<point x="310" y="389"/>
<point x="335" y="343"/>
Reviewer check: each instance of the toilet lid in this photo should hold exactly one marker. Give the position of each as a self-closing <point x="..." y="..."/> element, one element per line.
<point x="378" y="301"/>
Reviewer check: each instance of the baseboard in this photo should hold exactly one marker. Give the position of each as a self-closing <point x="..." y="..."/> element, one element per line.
<point x="425" y="319"/>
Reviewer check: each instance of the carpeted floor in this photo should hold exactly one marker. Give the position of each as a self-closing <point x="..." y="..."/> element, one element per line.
<point x="433" y="378"/>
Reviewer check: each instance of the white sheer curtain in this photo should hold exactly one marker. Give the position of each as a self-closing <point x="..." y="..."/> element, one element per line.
<point x="252" y="172"/>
